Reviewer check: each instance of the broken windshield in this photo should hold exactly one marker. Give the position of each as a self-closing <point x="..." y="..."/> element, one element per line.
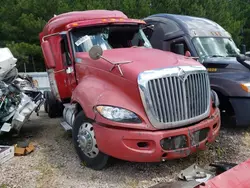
<point x="109" y="37"/>
<point x="215" y="47"/>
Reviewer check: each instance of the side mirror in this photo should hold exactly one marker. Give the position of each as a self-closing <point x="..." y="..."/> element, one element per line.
<point x="95" y="52"/>
<point x="48" y="56"/>
<point x="241" y="58"/>
<point x="243" y="49"/>
<point x="179" y="49"/>
<point x="187" y="54"/>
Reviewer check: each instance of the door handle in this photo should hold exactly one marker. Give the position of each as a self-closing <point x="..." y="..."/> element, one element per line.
<point x="69" y="70"/>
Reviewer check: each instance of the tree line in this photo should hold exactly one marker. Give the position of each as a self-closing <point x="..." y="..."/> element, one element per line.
<point x="21" y="21"/>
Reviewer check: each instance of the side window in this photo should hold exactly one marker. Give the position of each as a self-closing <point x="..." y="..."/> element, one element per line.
<point x="65" y="53"/>
<point x="148" y="32"/>
<point x="173" y="47"/>
<point x="139" y="39"/>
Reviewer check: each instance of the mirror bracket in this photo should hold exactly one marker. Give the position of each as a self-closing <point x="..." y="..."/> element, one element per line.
<point x="149" y="26"/>
<point x="96" y="53"/>
<point x="50" y="35"/>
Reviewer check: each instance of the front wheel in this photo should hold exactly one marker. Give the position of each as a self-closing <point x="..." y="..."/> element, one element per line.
<point x="86" y="145"/>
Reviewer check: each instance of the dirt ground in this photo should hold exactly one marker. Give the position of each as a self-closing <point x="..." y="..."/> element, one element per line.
<point x="54" y="162"/>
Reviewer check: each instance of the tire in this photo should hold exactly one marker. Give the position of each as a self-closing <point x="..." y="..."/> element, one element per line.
<point x="60" y="108"/>
<point x="45" y="94"/>
<point x="99" y="160"/>
<point x="227" y="112"/>
<point x="51" y="105"/>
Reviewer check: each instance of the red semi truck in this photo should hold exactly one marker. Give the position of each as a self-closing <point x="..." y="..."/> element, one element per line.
<point x="121" y="97"/>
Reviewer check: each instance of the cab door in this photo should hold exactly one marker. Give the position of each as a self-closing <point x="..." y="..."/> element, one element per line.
<point x="67" y="63"/>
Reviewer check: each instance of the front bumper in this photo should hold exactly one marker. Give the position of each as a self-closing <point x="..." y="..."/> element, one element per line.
<point x="241" y="108"/>
<point x="145" y="146"/>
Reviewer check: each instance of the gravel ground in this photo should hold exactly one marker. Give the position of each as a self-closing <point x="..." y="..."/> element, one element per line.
<point x="54" y="162"/>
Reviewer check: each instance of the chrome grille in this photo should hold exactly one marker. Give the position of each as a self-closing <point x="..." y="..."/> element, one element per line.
<point x="179" y="97"/>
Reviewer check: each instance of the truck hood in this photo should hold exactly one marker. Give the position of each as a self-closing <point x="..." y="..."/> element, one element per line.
<point x="227" y="63"/>
<point x="143" y="59"/>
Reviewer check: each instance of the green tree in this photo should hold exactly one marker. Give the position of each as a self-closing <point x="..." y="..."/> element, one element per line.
<point x="23" y="20"/>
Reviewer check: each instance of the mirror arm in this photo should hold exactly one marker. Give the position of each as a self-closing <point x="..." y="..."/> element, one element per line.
<point x="115" y="64"/>
<point x="50" y="35"/>
<point x="105" y="59"/>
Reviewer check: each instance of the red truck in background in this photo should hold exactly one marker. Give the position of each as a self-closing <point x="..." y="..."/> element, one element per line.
<point x="122" y="98"/>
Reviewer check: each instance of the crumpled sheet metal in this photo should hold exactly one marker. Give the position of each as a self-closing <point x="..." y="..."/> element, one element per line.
<point x="238" y="176"/>
<point x="190" y="177"/>
<point x="194" y="172"/>
<point x="177" y="184"/>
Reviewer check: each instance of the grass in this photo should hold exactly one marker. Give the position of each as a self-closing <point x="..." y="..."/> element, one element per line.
<point x="4" y="185"/>
<point x="131" y="183"/>
<point x="246" y="138"/>
<point x="46" y="171"/>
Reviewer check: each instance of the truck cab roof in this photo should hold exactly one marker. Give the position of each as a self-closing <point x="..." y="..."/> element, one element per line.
<point x="194" y="26"/>
<point x="59" y="22"/>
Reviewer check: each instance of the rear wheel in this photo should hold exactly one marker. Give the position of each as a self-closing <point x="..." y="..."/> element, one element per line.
<point x="52" y="105"/>
<point x="86" y="145"/>
<point x="45" y="94"/>
<point x="60" y="108"/>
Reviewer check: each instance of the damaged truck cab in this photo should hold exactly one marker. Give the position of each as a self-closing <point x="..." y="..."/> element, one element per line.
<point x="121" y="97"/>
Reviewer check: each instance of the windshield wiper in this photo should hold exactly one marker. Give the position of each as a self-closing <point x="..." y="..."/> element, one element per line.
<point x="232" y="55"/>
<point x="216" y="56"/>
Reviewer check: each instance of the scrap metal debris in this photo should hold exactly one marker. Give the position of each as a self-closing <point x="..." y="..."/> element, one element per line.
<point x="194" y="172"/>
<point x="195" y="176"/>
<point x="19" y="98"/>
<point x="222" y="166"/>
<point x="23" y="148"/>
<point x="6" y="153"/>
<point x="178" y="184"/>
<point x="19" y="149"/>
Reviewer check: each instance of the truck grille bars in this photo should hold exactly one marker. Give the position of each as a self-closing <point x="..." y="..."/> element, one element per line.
<point x="175" y="97"/>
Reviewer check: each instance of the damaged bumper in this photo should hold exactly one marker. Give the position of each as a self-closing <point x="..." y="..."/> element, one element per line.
<point x="156" y="146"/>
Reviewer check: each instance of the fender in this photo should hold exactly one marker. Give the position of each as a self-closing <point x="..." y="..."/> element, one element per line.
<point x="92" y="91"/>
<point x="86" y="94"/>
<point x="217" y="88"/>
<point x="229" y="85"/>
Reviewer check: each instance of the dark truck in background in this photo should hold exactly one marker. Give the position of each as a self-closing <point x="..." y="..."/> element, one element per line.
<point x="213" y="46"/>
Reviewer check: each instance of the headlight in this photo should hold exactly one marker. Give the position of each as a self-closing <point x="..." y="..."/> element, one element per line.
<point x="215" y="99"/>
<point x="118" y="114"/>
<point x="245" y="87"/>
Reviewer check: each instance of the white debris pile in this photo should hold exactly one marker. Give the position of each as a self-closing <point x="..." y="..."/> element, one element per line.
<point x="18" y="95"/>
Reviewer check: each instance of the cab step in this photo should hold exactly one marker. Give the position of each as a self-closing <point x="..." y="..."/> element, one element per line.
<point x="66" y="126"/>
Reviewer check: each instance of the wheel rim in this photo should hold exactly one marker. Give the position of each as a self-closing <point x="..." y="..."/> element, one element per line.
<point x="86" y="140"/>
